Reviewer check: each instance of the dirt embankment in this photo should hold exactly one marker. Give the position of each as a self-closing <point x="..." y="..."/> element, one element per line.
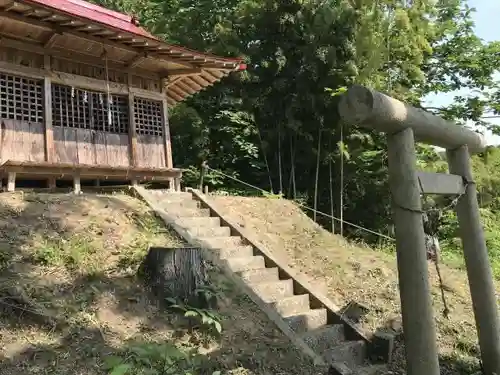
<point x="70" y="298"/>
<point x="347" y="272"/>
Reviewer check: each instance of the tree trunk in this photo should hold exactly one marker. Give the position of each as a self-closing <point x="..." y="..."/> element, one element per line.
<point x="292" y="150"/>
<point x="341" y="203"/>
<point x="176" y="273"/>
<point x="316" y="180"/>
<point x="265" y="160"/>
<point x="279" y="160"/>
<point x="332" y="212"/>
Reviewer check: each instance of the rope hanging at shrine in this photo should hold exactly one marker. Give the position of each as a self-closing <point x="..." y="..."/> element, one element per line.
<point x="432" y="220"/>
<point x="109" y="100"/>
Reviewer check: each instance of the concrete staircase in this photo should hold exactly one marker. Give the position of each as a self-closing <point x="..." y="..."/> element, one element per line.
<point x="309" y="320"/>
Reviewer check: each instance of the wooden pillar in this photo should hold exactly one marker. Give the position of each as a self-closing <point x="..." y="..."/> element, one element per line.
<point x="132" y="134"/>
<point x="177" y="184"/>
<point x="11" y="181"/>
<point x="478" y="266"/>
<point x="166" y="135"/>
<point x="77" y="189"/>
<point x="166" y="127"/>
<point x="51" y="182"/>
<point x="47" y="104"/>
<point x="414" y="290"/>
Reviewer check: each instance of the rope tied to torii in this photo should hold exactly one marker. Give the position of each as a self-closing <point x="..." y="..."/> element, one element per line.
<point x="432" y="220"/>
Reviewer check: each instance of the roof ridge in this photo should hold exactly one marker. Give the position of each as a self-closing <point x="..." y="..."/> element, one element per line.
<point x="101" y="9"/>
<point x="121" y="22"/>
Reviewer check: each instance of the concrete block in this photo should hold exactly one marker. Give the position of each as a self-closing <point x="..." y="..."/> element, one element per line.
<point x="246" y="263"/>
<point x="307" y="320"/>
<point x="274" y="290"/>
<point x="353" y="353"/>
<point x="323" y="339"/>
<point x="235" y="251"/>
<point x="292" y="305"/>
<point x="381" y="347"/>
<point x="260" y="275"/>
<point x="340" y="369"/>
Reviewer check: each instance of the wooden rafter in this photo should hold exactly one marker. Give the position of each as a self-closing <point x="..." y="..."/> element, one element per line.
<point x="192" y="84"/>
<point x="183" y="72"/>
<point x="51" y="40"/>
<point x="176" y="96"/>
<point x="69" y="55"/>
<point x="186" y="88"/>
<point x="194" y="72"/>
<point x="137" y="60"/>
<point x="114" y="39"/>
<point x="48" y="26"/>
<point x="173" y="81"/>
<point x="179" y="91"/>
<point x="10" y="6"/>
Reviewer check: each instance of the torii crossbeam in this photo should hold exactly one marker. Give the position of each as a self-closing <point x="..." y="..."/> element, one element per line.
<point x="404" y="124"/>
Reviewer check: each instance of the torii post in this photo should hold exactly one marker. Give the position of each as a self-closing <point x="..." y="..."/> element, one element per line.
<point x="404" y="124"/>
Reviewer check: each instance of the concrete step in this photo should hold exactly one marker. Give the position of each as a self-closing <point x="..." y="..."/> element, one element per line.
<point x="171" y="196"/>
<point x="235" y="252"/>
<point x="352" y="353"/>
<point x="310" y="324"/>
<point x="177" y="211"/>
<point x="209" y="231"/>
<point x="260" y="275"/>
<point x="340" y="368"/>
<point x="160" y="196"/>
<point x="371" y="370"/>
<point x="292" y="305"/>
<point x="185" y="203"/>
<point x="157" y="191"/>
<point x="246" y="263"/>
<point x="273" y="291"/>
<point x="195" y="222"/>
<point x="323" y="339"/>
<point x="222" y="242"/>
<point x="307" y="320"/>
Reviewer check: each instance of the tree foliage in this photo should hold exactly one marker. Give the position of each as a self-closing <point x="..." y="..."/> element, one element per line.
<point x="276" y="125"/>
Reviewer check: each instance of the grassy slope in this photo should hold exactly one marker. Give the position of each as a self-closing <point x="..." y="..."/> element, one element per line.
<point x="346" y="272"/>
<point x="74" y="259"/>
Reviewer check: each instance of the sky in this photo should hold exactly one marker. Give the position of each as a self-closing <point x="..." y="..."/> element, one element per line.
<point x="487" y="28"/>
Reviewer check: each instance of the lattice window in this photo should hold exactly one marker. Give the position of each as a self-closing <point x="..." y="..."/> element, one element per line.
<point x="118" y="111"/>
<point x="148" y="116"/>
<point x="84" y="109"/>
<point x="70" y="107"/>
<point x="21" y="98"/>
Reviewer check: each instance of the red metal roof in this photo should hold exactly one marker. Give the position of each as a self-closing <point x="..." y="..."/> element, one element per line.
<point x="95" y="13"/>
<point x="119" y="21"/>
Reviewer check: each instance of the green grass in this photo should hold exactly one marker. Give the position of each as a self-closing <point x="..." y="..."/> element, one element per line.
<point x="74" y="260"/>
<point x="72" y="253"/>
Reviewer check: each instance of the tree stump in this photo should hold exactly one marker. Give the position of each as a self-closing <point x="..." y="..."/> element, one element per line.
<point x="177" y="273"/>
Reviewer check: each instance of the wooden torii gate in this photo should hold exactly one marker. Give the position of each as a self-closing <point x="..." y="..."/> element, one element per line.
<point x="404" y="124"/>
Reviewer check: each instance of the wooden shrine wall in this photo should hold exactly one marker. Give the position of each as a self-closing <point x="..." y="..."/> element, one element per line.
<point x="82" y="146"/>
<point x="150" y="151"/>
<point x="22" y="140"/>
<point x="148" y="118"/>
<point x="22" y="130"/>
<point x="81" y="131"/>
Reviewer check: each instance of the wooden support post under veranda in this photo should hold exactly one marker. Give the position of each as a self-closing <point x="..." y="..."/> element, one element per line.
<point x="404" y="125"/>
